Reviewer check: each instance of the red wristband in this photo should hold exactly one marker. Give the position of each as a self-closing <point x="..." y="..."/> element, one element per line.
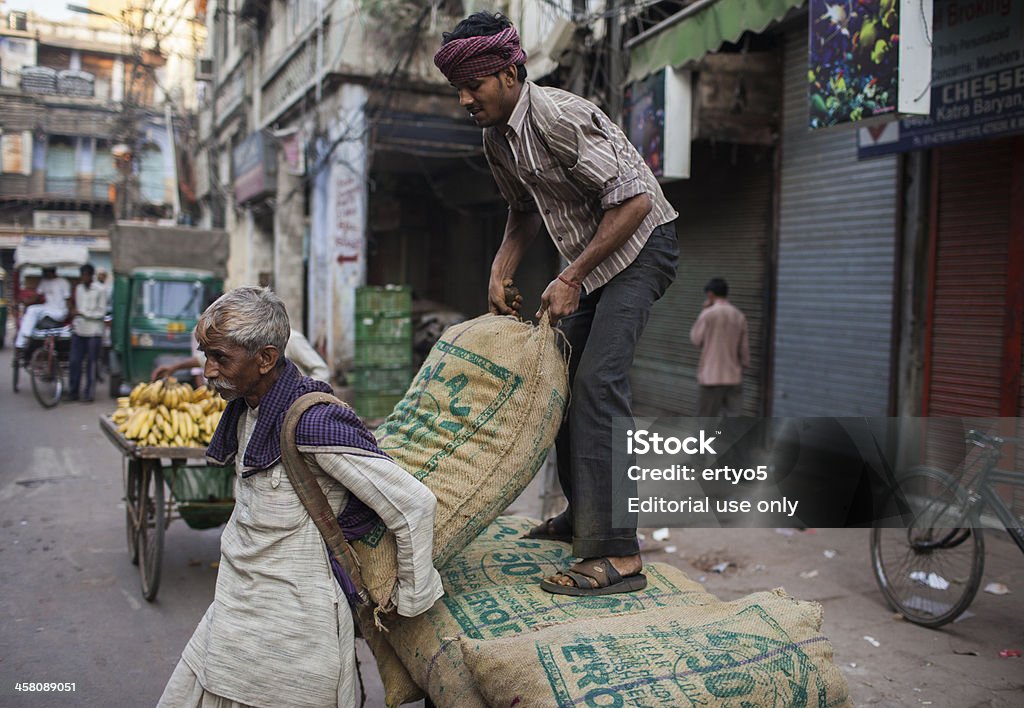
<point x="568" y="282"/>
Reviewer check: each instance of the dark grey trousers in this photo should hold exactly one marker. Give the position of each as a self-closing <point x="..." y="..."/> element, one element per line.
<point x="715" y="401"/>
<point x="603" y="334"/>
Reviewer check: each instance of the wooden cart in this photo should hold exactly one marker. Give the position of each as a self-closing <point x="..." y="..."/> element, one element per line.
<point x="156" y="493"/>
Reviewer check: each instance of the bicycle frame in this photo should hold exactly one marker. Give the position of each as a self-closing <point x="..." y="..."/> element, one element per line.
<point x="987" y="494"/>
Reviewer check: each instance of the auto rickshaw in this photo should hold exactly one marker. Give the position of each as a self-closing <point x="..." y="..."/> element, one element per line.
<point x="164" y="277"/>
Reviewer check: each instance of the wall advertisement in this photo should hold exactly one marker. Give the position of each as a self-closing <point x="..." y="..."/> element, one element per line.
<point x="977" y="87"/>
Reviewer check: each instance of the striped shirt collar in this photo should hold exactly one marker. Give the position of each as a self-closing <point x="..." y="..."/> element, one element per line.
<point x="518" y="117"/>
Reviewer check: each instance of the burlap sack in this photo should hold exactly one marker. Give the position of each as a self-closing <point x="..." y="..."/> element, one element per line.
<point x="474" y="568"/>
<point x="399" y="688"/>
<point x="762" y="650"/>
<point x="501" y="597"/>
<point x="475" y="426"/>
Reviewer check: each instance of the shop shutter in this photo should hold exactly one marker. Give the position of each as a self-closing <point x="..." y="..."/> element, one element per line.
<point x="151" y="175"/>
<point x="60" y="166"/>
<point x="724" y="229"/>
<point x="836" y="264"/>
<point x="965" y="355"/>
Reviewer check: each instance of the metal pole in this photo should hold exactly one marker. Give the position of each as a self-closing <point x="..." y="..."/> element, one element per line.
<point x="176" y="198"/>
<point x="615" y="68"/>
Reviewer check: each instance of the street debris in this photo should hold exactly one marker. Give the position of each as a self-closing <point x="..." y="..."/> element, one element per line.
<point x="872" y="641"/>
<point x="720" y="567"/>
<point x="932" y="580"/>
<point x="785" y="532"/>
<point x="1010" y="653"/>
<point x="830" y="554"/>
<point x="670" y="549"/>
<point x="965" y="652"/>
<point x="759" y="568"/>
<point x="997" y="589"/>
<point x="808" y="574"/>
<point x="660" y="535"/>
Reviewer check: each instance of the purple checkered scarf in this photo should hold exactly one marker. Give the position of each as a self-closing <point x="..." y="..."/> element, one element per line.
<point x="471" y="57"/>
<point x="320" y="426"/>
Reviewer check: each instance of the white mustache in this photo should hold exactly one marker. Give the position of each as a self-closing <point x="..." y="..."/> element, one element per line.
<point x="222" y="385"/>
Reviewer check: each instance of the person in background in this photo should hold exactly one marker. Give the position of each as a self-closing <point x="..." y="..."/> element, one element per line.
<point x="562" y="164"/>
<point x="87" y="311"/>
<point x="279" y="631"/>
<point x="52" y="295"/>
<point x="721" y="334"/>
<point x="298" y="351"/>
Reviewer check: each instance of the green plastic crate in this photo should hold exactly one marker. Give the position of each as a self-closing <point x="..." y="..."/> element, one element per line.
<point x="382" y="380"/>
<point x="376" y="406"/>
<point x="389" y="300"/>
<point x="383" y="353"/>
<point x="373" y="326"/>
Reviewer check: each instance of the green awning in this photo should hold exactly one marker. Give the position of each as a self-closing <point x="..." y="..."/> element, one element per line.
<point x="699" y="29"/>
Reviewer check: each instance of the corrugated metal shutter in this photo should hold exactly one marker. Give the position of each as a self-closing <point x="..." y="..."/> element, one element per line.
<point x="60" y="167"/>
<point x="723" y="232"/>
<point x="970" y="280"/>
<point x="836" y="262"/>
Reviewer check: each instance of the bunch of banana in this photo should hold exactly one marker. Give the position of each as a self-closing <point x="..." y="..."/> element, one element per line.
<point x="169" y="414"/>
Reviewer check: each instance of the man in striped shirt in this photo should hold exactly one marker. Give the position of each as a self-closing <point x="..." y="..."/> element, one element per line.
<point x="561" y="163"/>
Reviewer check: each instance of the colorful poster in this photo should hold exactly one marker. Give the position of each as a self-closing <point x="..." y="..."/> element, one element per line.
<point x="977" y="86"/>
<point x="854" y="60"/>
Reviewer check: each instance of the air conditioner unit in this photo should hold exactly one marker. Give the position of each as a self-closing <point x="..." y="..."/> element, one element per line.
<point x="204" y="69"/>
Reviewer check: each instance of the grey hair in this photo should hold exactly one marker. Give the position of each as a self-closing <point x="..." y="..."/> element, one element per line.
<point x="250" y="317"/>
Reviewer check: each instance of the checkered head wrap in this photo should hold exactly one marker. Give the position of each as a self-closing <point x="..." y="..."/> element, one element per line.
<point x="468" y="58"/>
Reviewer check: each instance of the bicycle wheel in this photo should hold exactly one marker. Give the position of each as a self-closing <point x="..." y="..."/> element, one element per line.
<point x="151" y="529"/>
<point x="132" y="508"/>
<point x="47" y="383"/>
<point x="930" y="571"/>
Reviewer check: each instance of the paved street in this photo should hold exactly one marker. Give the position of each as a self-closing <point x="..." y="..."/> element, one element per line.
<point x="71" y="611"/>
<point x="70" y="605"/>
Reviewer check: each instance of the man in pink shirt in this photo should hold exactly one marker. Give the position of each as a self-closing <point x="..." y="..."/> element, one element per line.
<point x="721" y="334"/>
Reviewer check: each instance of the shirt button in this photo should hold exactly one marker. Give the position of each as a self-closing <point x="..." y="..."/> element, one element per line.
<point x="559" y="238"/>
<point x="547" y="211"/>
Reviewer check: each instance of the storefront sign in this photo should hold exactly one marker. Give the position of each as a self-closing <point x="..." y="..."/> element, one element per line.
<point x="255" y="163"/>
<point x="62" y="220"/>
<point x="658" y="117"/>
<point x="977" y="87"/>
<point x="868" y="58"/>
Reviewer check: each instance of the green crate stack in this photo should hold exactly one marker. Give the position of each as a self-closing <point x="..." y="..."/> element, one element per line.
<point x="383" y="361"/>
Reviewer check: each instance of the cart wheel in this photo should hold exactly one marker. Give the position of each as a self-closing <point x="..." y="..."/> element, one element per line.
<point x="47" y="383"/>
<point x="151" y="528"/>
<point x="132" y="509"/>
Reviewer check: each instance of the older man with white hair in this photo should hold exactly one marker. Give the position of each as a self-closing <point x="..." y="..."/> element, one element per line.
<point x="279" y="631"/>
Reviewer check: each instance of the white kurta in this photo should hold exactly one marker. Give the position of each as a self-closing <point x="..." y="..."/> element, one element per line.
<point x="279" y="631"/>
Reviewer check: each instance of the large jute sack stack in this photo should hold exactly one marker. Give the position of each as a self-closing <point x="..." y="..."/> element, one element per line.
<point x="475" y="426"/>
<point x="490" y="559"/>
<point x="762" y="650"/>
<point x="429" y="645"/>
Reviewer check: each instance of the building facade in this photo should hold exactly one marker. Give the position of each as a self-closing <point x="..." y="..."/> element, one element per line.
<point x="92" y="121"/>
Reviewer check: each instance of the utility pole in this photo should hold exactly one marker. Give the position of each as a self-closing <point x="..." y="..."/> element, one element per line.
<point x="615" y="60"/>
<point x="579" y="69"/>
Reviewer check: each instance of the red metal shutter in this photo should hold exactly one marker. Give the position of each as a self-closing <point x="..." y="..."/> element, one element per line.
<point x="971" y="214"/>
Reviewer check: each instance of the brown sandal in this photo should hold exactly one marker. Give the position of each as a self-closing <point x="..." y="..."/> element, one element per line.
<point x="596" y="576"/>
<point x="545" y="531"/>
